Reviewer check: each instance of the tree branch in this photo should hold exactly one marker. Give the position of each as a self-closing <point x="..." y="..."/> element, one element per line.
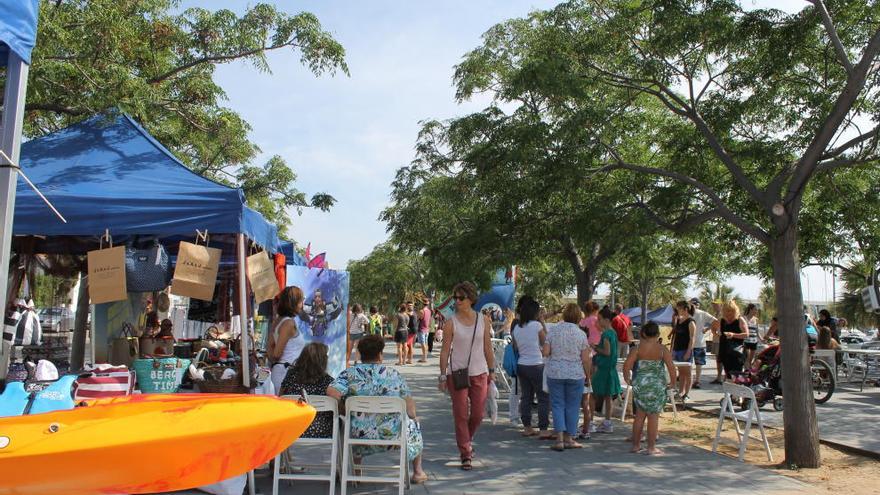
<point x="844" y="162"/>
<point x="838" y="266"/>
<point x="852" y="142"/>
<point x="832" y="33"/>
<point x="806" y="166"/>
<point x="723" y="210"/>
<point x="211" y="60"/>
<point x="52" y="107"/>
<point x="683" y="224"/>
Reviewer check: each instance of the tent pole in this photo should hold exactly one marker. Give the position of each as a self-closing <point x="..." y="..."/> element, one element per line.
<point x="242" y="313"/>
<point x="10" y="144"/>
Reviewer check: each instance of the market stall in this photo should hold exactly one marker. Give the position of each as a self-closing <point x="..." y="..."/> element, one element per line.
<point x="107" y="175"/>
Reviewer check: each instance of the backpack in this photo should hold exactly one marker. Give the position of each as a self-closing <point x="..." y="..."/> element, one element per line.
<point x="511" y="357"/>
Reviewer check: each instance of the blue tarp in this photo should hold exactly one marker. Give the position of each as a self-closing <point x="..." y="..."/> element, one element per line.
<point x="662" y="316"/>
<point x="18" y="28"/>
<point x="108" y="173"/>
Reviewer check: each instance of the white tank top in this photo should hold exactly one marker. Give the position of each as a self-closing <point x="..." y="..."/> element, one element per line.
<point x="528" y="343"/>
<point x="463" y="339"/>
<point x="294" y="346"/>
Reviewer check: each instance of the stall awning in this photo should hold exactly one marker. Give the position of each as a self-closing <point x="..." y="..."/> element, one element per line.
<point x="18" y="28"/>
<point x="108" y="173"/>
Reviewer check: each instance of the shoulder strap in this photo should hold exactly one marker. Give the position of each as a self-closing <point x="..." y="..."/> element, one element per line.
<point x="473" y="340"/>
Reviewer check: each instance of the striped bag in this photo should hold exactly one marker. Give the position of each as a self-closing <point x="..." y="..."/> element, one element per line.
<point x="104" y="381"/>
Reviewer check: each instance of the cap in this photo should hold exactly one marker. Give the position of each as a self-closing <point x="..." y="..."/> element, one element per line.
<point x="695" y="300"/>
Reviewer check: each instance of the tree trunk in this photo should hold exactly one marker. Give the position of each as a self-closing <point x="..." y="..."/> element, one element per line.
<point x="799" y="416"/>
<point x="584" y="277"/>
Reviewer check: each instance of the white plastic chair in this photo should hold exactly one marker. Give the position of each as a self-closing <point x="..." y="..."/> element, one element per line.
<point x="749" y="416"/>
<point x="321" y="403"/>
<point x="374" y="405"/>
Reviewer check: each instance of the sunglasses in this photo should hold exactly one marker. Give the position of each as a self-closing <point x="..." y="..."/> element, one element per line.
<point x="459" y="298"/>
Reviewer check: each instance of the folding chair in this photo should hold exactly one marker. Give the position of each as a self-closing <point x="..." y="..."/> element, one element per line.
<point x="498" y="348"/>
<point x="752" y="414"/>
<point x="375" y="405"/>
<point x="321" y="403"/>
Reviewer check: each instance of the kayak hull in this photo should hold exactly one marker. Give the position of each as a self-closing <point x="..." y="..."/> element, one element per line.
<point x="146" y="443"/>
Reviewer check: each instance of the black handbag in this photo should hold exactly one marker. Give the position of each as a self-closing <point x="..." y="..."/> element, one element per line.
<point x="460" y="378"/>
<point x="147" y="270"/>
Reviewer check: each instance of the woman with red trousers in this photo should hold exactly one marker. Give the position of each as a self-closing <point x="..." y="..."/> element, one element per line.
<point x="467" y="346"/>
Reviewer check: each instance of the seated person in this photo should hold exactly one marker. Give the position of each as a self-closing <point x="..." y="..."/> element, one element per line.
<point x="309" y="373"/>
<point x="372" y="378"/>
<point x="166" y="330"/>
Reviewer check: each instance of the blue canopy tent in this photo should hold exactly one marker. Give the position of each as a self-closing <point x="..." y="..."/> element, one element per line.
<point x="662" y="316"/>
<point x="288" y="249"/>
<point x="18" y="35"/>
<point x="107" y="172"/>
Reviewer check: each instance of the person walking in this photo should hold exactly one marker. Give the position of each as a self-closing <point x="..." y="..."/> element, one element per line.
<point x="750" y="344"/>
<point x="467" y="365"/>
<point x="358" y="325"/>
<point x="528" y="337"/>
<point x="605" y="382"/>
<point x="683" y="338"/>
<point x="567" y="361"/>
<point x="286" y="342"/>
<point x="375" y="321"/>
<point x="400" y="334"/>
<point x="623" y="327"/>
<point x="732" y="332"/>
<point x="716" y="341"/>
<point x="424" y="325"/>
<point x="412" y="329"/>
<point x="649" y="385"/>
<point x="826" y="320"/>
<point x="703" y="322"/>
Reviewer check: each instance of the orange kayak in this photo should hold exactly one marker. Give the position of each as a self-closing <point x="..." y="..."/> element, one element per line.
<point x="145" y="443"/>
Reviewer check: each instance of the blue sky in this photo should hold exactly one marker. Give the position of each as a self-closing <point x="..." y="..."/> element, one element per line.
<point x="348" y="135"/>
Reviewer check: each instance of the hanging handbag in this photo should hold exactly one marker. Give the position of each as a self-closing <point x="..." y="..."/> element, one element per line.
<point x="124" y="349"/>
<point x="146" y="270"/>
<point x="107" y="273"/>
<point x="195" y="274"/>
<point x="460" y="378"/>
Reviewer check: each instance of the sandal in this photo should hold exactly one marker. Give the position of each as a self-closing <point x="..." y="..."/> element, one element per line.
<point x="529" y="433"/>
<point x="419" y="479"/>
<point x="715" y="382"/>
<point x="466" y="465"/>
<point x="558" y="447"/>
<point x="573" y="445"/>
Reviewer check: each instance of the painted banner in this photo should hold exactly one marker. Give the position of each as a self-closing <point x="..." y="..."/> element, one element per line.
<point x="324" y="315"/>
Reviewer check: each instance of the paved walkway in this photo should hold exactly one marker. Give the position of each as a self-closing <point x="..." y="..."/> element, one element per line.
<point x="847" y="419"/>
<point x="509" y="464"/>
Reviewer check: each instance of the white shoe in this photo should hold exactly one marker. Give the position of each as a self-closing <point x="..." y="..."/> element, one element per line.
<point x="592" y="428"/>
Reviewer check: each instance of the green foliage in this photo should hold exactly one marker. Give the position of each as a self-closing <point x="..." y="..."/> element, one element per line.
<point x="388" y="276"/>
<point x="158" y="66"/>
<point x="51" y="290"/>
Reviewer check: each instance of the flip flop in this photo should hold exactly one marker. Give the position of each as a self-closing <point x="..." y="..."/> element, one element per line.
<point x="546" y="437"/>
<point x="657" y="452"/>
<point x="529" y="434"/>
<point x="466" y="465"/>
<point x="418" y="480"/>
<point x="558" y="447"/>
<point x="573" y="445"/>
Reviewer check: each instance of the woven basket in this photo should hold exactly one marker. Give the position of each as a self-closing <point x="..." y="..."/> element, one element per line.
<point x="217" y="386"/>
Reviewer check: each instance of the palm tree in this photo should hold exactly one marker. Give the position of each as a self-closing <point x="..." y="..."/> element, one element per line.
<point x="767" y="298"/>
<point x="716" y="291"/>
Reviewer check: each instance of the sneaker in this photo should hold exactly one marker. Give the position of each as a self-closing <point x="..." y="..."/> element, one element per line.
<point x="606" y="427"/>
<point x="584" y="433"/>
<point x="592" y="428"/>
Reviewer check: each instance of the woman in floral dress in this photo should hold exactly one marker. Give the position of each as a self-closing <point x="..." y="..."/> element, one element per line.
<point x="372" y="378"/>
<point x="649" y="385"/>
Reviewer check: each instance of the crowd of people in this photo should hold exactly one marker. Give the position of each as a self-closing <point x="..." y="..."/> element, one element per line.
<point x="566" y="369"/>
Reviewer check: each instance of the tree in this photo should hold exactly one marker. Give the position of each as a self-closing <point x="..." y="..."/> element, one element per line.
<point x="158" y="66"/>
<point x="388" y="276"/>
<point x="766" y="100"/>
<point x="767" y="298"/>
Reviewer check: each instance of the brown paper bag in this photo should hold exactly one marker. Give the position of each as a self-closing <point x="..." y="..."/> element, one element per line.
<point x="107" y="275"/>
<point x="195" y="274"/>
<point x="261" y="274"/>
